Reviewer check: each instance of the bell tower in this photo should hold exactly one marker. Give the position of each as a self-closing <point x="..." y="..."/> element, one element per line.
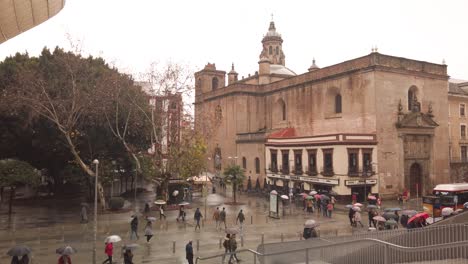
<point x="272" y="46"/>
<point x="209" y="79"/>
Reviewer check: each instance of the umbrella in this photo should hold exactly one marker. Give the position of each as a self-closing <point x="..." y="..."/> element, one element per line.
<point x="371" y="197"/>
<point x="371" y="206"/>
<point x="465" y="205"/>
<point x="390" y="215"/>
<point x="232" y="230"/>
<point x="391" y="222"/>
<point x="309" y="197"/>
<point x="393" y="209"/>
<point x="19" y="250"/>
<point x="357" y="209"/>
<point x="160" y="202"/>
<point x="65" y="250"/>
<point x="418" y="215"/>
<point x="313" y="192"/>
<point x="447" y="211"/>
<point x="358" y="204"/>
<point x="274" y="192"/>
<point x="333" y="193"/>
<point x="311" y="223"/>
<point x="304" y="195"/>
<point x="324" y="197"/>
<point x="379" y="218"/>
<point x="113" y="239"/>
<point x="184" y="203"/>
<point x="317" y="196"/>
<point x="284" y="197"/>
<point x="349" y="206"/>
<point x="409" y="212"/>
<point x="175" y="193"/>
<point x="151" y="219"/>
<point x="130" y="246"/>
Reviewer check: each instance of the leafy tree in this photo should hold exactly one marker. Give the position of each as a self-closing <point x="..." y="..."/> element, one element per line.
<point x="14" y="173"/>
<point x="234" y="174"/>
<point x="192" y="156"/>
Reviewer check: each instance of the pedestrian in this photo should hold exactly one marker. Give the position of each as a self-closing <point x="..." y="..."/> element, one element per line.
<point x="404" y="220"/>
<point x="317" y="204"/>
<point x="357" y="219"/>
<point x="323" y="204"/>
<point x="147" y="208"/>
<point x="353" y="198"/>
<point x="233" y="248"/>
<point x="400" y="199"/>
<point x="370" y="216"/>
<point x="351" y="216"/>
<point x="310" y="206"/>
<point x="15" y="260"/>
<point x="64" y="259"/>
<point x="226" y="246"/>
<point x="181" y="213"/>
<point x="84" y="214"/>
<point x="405" y="195"/>
<point x="333" y="200"/>
<point x="304" y="204"/>
<point x="222" y="217"/>
<point x="161" y="213"/>
<point x="109" y="250"/>
<point x="134" y="227"/>
<point x="189" y="252"/>
<point x="24" y="259"/>
<point x="379" y="202"/>
<point x="148" y="231"/>
<point x="128" y="256"/>
<point x="240" y="218"/>
<point x="309" y="232"/>
<point x="329" y="209"/>
<point x="216" y="217"/>
<point x="197" y="216"/>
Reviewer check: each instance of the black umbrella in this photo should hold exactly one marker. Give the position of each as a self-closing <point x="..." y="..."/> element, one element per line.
<point x="65" y="250"/>
<point x="19" y="250"/>
<point x="257" y="184"/>
<point x="249" y="184"/>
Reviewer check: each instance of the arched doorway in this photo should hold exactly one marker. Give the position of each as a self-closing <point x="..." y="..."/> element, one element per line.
<point x="415" y="179"/>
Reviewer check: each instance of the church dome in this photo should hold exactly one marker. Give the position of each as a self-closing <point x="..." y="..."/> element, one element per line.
<point x="280" y="69"/>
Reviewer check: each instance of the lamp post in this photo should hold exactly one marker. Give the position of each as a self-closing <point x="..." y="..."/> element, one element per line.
<point x="95" y="162"/>
<point x="113" y="173"/>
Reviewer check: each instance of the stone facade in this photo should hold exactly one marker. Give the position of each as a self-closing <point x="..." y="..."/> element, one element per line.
<point x="392" y="108"/>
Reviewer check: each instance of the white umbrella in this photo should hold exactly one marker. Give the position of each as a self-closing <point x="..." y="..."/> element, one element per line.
<point x="113" y="239"/>
<point x="274" y="192"/>
<point x="447" y="211"/>
<point x="184" y="203"/>
<point x="312" y="192"/>
<point x="357" y="204"/>
<point x="175" y="193"/>
<point x="151" y="219"/>
<point x="285" y="197"/>
<point x="160" y="202"/>
<point x="311" y="223"/>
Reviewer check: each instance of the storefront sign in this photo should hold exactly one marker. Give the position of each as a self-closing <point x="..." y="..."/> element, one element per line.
<point x="306" y="179"/>
<point x="360" y="182"/>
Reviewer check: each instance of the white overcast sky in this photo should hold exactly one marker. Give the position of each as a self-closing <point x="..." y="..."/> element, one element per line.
<point x="132" y="34"/>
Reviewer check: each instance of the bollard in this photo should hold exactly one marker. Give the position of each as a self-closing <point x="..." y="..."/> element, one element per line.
<point x="266" y="217"/>
<point x="220" y="242"/>
<point x="173" y="247"/>
<point x="242" y="241"/>
<point x="63" y="233"/>
<point x="263" y="238"/>
<point x="282" y="237"/>
<point x="203" y="223"/>
<point x="198" y="244"/>
<point x="251" y="219"/>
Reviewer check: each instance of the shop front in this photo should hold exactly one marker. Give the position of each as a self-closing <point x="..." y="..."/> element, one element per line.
<point x="301" y="183"/>
<point x="361" y="187"/>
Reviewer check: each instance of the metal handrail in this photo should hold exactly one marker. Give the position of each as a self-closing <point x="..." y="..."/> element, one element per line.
<point x="387" y="244"/>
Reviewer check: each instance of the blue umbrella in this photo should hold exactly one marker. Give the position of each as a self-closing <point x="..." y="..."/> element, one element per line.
<point x="393" y="209"/>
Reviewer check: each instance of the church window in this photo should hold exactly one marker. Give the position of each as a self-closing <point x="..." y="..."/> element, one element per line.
<point x="298" y="162"/>
<point x="338" y="103"/>
<point x="277" y="50"/>
<point x="412" y="97"/>
<point x="284" y="111"/>
<point x="367" y="160"/>
<point x="270" y="50"/>
<point x="312" y="170"/>
<point x="214" y="83"/>
<point x="462" y="110"/>
<point x="463" y="154"/>
<point x="244" y="163"/>
<point x="463" y="131"/>
<point x="257" y="165"/>
<point x="285" y="161"/>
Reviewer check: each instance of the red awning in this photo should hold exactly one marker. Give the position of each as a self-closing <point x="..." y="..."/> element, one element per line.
<point x="284" y="133"/>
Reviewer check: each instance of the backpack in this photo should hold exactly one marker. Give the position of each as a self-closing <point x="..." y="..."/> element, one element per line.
<point x="226" y="243"/>
<point x="307" y="233"/>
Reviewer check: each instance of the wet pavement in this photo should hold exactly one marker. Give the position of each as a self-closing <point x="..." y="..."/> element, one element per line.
<point x="47" y="226"/>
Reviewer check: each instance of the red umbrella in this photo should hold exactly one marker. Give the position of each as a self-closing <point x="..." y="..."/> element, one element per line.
<point x="317" y="196"/>
<point x="372" y="197"/>
<point x="422" y="215"/>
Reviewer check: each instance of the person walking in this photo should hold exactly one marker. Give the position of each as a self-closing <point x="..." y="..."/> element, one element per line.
<point x="310" y="206"/>
<point x="148" y="231"/>
<point x="216" y="217"/>
<point x="64" y="259"/>
<point x="189" y="252"/>
<point x="323" y="204"/>
<point x="233" y="248"/>
<point x="84" y="214"/>
<point x="181" y="213"/>
<point x="357" y="218"/>
<point x="134" y="227"/>
<point x="222" y="217"/>
<point x="240" y="218"/>
<point x="329" y="209"/>
<point x="15" y="260"/>
<point x="197" y="216"/>
<point x="147" y="208"/>
<point x="226" y="246"/>
<point x="161" y="213"/>
<point x="24" y="259"/>
<point x="370" y="216"/>
<point x="109" y="250"/>
<point x="128" y="257"/>
<point x="351" y="216"/>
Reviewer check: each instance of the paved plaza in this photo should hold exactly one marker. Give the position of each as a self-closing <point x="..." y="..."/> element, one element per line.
<point x="47" y="226"/>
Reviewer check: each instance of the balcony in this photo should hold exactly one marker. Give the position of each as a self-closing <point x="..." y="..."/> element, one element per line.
<point x="328" y="172"/>
<point x="284" y="170"/>
<point x="459" y="160"/>
<point x="297" y="171"/>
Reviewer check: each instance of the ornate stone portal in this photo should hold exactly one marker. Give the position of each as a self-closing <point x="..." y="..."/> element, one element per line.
<point x="416" y="129"/>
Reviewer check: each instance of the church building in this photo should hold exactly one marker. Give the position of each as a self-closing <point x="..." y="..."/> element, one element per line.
<point x="376" y="123"/>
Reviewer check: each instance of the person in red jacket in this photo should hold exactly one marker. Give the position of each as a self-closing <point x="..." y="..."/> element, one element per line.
<point x="64" y="259"/>
<point x="109" y="252"/>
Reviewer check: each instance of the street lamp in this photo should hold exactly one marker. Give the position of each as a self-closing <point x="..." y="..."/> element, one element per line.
<point x="95" y="162"/>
